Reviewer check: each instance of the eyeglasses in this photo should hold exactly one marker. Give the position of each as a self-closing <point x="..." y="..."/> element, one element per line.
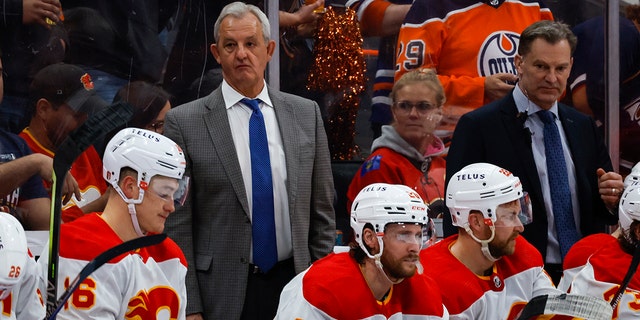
<point x="156" y="126"/>
<point x="423" y="107"/>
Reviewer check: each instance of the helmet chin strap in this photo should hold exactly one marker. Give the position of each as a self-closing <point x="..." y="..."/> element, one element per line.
<point x="131" y="205"/>
<point x="484" y="243"/>
<point x="134" y="219"/>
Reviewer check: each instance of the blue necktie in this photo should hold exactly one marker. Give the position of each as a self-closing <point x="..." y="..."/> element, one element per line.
<point x="558" y="184"/>
<point x="265" y="252"/>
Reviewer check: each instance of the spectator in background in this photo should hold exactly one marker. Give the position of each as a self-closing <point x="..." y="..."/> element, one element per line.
<point x="216" y="226"/>
<point x="510" y="133"/>
<point x="586" y="83"/>
<point x="150" y="105"/>
<point x="487" y="270"/>
<point x="408" y="152"/>
<point x="62" y="96"/>
<point x="118" y="41"/>
<point x="381" y="18"/>
<point x="31" y="37"/>
<point x="381" y="275"/>
<point x="22" y="193"/>
<point x="471" y="45"/>
<point x="602" y="277"/>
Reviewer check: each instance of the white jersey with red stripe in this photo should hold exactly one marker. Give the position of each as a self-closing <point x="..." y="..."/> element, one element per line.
<point x="148" y="283"/>
<point x="334" y="288"/>
<point x="515" y="280"/>
<point x="601" y="277"/>
<point x="25" y="300"/>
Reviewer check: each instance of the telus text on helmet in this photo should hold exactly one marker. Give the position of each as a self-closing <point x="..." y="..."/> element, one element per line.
<point x="146" y="134"/>
<point x="470" y="176"/>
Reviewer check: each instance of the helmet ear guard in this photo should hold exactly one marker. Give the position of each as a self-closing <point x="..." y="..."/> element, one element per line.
<point x="13" y="253"/>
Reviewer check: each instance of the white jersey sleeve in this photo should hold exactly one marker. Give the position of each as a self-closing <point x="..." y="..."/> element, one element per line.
<point x="293" y="305"/>
<point x="25" y="301"/>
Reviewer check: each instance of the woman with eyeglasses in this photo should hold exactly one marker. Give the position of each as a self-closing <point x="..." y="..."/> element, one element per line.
<point x="408" y="152"/>
<point x="150" y="105"/>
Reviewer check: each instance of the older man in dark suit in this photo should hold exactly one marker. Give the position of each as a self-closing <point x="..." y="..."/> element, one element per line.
<point x="511" y="133"/>
<point x="230" y="276"/>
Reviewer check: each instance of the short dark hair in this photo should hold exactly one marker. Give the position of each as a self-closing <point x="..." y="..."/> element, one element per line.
<point x="551" y="31"/>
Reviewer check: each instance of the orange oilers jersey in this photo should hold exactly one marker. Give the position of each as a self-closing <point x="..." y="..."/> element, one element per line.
<point x="464" y="41"/>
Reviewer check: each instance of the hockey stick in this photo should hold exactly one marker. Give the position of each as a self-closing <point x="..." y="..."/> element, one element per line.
<point x="77" y="142"/>
<point x="627" y="277"/>
<point x="100" y="260"/>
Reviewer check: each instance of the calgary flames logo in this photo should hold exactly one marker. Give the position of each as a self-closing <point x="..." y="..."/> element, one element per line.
<point x="86" y="81"/>
<point x="157" y="303"/>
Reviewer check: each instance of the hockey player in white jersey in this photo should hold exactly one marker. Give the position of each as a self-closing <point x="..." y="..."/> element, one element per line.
<point x="146" y="172"/>
<point x="603" y="275"/>
<point x="19" y="276"/>
<point x="487" y="270"/>
<point x="381" y="276"/>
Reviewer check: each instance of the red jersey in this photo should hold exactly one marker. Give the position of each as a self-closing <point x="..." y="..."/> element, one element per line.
<point x="579" y="254"/>
<point x="87" y="170"/>
<point x="388" y="166"/>
<point x="515" y="280"/>
<point x="334" y="288"/>
<point x="602" y="275"/>
<point x="146" y="283"/>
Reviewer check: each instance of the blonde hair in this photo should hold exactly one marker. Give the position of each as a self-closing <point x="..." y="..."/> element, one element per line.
<point x="425" y="76"/>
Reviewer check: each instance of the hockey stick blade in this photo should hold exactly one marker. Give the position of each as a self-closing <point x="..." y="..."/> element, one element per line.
<point x="100" y="260"/>
<point x="78" y="141"/>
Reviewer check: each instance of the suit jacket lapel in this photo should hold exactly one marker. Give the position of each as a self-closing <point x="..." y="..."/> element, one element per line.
<point x="521" y="143"/>
<point x="217" y="122"/>
<point x="285" y="113"/>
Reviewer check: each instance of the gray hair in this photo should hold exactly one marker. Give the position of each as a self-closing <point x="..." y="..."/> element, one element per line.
<point x="551" y="31"/>
<point x="238" y="10"/>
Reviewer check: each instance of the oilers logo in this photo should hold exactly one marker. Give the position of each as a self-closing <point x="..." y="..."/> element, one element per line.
<point x="161" y="303"/>
<point x="497" y="53"/>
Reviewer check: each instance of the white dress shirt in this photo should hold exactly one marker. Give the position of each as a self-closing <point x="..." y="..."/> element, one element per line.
<point x="239" y="115"/>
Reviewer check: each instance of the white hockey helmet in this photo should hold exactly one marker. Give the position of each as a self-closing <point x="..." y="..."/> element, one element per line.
<point x="148" y="153"/>
<point x="380" y="204"/>
<point x="633" y="177"/>
<point x="629" y="208"/>
<point x="13" y="253"/>
<point x="483" y="187"/>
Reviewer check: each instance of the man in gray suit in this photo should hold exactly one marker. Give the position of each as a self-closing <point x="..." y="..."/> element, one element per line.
<point x="214" y="228"/>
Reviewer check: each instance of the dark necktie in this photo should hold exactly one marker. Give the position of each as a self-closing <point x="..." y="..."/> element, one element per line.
<point x="558" y="184"/>
<point x="265" y="254"/>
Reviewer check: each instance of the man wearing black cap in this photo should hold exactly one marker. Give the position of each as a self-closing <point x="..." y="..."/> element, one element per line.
<point x="61" y="98"/>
